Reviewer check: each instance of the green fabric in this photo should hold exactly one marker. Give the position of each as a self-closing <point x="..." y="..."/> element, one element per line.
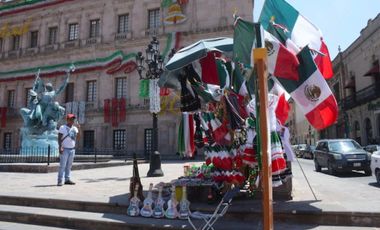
<point x="19" y="4"/>
<point x="237" y="80"/>
<point x="181" y="141"/>
<point x="144" y="89"/>
<point x="222" y="73"/>
<point x="166" y="3"/>
<point x="244" y="41"/>
<point x="202" y="91"/>
<point x="283" y="13"/>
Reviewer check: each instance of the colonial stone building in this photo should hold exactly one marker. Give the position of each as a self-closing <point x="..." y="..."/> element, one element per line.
<point x="356" y="86"/>
<point x="101" y="38"/>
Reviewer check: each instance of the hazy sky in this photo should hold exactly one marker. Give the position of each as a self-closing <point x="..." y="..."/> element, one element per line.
<point x="340" y="20"/>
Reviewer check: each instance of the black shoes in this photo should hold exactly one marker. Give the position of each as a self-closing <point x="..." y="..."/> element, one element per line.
<point x="69" y="182"/>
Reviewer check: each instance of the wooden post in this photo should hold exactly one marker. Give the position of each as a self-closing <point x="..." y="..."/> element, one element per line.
<point x="260" y="58"/>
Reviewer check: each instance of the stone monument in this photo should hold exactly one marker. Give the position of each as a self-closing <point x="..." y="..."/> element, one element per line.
<point x="41" y="118"/>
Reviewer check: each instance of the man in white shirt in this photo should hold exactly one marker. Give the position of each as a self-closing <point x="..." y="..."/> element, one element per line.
<point x="68" y="134"/>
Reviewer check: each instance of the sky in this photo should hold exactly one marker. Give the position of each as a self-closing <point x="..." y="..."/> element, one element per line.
<point x="339" y="20"/>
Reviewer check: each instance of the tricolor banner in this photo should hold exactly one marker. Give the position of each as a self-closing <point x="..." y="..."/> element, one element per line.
<point x="299" y="30"/>
<point x="312" y="93"/>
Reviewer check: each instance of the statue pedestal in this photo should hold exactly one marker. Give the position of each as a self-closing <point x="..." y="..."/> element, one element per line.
<point x="37" y="145"/>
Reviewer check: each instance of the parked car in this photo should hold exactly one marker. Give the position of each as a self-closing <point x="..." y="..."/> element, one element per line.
<point x="299" y="148"/>
<point x="372" y="148"/>
<point x="375" y="165"/>
<point x="308" y="153"/>
<point x="340" y="155"/>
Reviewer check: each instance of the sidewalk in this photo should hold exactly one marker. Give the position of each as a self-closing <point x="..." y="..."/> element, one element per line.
<point x="111" y="185"/>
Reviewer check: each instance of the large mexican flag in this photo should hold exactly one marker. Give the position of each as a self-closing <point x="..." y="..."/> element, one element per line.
<point x="312" y="93"/>
<point x="299" y="30"/>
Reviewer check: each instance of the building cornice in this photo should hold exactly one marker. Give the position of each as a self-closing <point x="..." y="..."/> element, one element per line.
<point x="11" y="9"/>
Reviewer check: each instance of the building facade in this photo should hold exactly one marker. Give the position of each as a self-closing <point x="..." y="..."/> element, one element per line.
<point x="356" y="86"/>
<point x="101" y="38"/>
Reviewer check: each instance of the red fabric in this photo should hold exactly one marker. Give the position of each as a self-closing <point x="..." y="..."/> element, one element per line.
<point x="278" y="166"/>
<point x="282" y="109"/>
<point x="325" y="114"/>
<point x="209" y="69"/>
<point x="114" y="104"/>
<point x="3" y="114"/>
<point x="107" y="110"/>
<point x="164" y="92"/>
<point x="286" y="64"/>
<point x="122" y="109"/>
<point x="324" y="62"/>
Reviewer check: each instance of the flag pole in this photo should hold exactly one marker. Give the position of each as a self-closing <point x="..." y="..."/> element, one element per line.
<point x="260" y="60"/>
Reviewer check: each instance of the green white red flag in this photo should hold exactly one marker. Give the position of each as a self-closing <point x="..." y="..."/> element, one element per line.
<point x="299" y="30"/>
<point x="311" y="92"/>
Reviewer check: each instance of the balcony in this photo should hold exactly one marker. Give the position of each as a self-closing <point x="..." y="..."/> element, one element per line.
<point x="91" y="41"/>
<point x="14" y="53"/>
<point x="31" y="51"/>
<point x="50" y="48"/>
<point x="123" y="36"/>
<point x="362" y="96"/>
<point x="71" y="44"/>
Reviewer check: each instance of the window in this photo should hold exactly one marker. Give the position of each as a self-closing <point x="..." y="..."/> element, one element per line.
<point x="123" y="23"/>
<point x="91" y="91"/>
<point x="119" y="139"/>
<point x="7" y="144"/>
<point x="1" y="45"/>
<point x="27" y="97"/>
<point x="153" y="18"/>
<point x="121" y="87"/>
<point x="69" y="95"/>
<point x="16" y="42"/>
<point x="11" y="98"/>
<point x="88" y="139"/>
<point x="73" y="31"/>
<point x="94" y="28"/>
<point x="33" y="39"/>
<point x="52" y="39"/>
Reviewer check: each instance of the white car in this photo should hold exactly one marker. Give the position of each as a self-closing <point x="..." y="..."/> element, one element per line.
<point x="375" y="165"/>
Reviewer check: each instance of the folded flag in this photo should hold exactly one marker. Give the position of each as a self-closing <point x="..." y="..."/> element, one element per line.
<point x="283" y="107"/>
<point x="281" y="61"/>
<point x="312" y="93"/>
<point x="299" y="30"/>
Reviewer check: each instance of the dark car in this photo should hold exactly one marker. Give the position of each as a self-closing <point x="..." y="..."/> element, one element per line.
<point x="372" y="148"/>
<point x="308" y="153"/>
<point x="299" y="148"/>
<point x="340" y="155"/>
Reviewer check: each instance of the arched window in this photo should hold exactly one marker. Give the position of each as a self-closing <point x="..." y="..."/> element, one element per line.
<point x="368" y="130"/>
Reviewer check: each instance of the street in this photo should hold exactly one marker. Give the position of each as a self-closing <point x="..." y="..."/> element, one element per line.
<point x="354" y="186"/>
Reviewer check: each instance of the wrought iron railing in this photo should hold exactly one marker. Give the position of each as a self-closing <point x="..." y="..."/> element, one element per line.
<point x="362" y="96"/>
<point x="47" y="155"/>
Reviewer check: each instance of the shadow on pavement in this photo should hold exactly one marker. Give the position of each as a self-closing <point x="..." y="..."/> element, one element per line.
<point x="45" y="186"/>
<point x="91" y="180"/>
<point x="374" y="184"/>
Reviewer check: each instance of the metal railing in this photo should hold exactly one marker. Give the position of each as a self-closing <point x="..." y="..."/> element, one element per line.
<point x="47" y="155"/>
<point x="362" y="96"/>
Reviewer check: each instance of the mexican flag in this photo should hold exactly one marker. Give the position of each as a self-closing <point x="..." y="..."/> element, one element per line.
<point x="299" y="30"/>
<point x="312" y="93"/>
<point x="283" y="107"/>
<point x="281" y="62"/>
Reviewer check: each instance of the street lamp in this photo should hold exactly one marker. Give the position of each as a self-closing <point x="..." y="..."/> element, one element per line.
<point x="154" y="68"/>
<point x="309" y="135"/>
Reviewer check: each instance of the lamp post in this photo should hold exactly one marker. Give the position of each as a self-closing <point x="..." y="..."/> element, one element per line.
<point x="309" y="135"/>
<point x="154" y="68"/>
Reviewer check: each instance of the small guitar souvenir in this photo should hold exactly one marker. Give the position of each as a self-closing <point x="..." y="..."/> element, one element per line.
<point x="158" y="211"/>
<point x="134" y="203"/>
<point x="171" y="211"/>
<point x="184" y="205"/>
<point x="147" y="210"/>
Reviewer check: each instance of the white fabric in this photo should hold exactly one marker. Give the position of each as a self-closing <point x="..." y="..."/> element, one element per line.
<point x="299" y="96"/>
<point x="305" y="33"/>
<point x="154" y="96"/>
<point x="69" y="141"/>
<point x="285" y="139"/>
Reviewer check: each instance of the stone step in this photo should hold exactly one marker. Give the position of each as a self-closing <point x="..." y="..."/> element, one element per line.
<point x="240" y="211"/>
<point x="99" y="221"/>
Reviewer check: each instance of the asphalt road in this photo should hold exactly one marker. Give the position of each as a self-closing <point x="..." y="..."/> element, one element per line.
<point x="361" y="191"/>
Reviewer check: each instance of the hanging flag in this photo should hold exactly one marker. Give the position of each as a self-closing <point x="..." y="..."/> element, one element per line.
<point x="283" y="107"/>
<point x="238" y="84"/>
<point x="312" y="93"/>
<point x="281" y="61"/>
<point x="244" y="41"/>
<point x="207" y="70"/>
<point x="299" y="30"/>
<point x="186" y="146"/>
<point x="122" y="109"/>
<point x="114" y="108"/>
<point x="144" y="88"/>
